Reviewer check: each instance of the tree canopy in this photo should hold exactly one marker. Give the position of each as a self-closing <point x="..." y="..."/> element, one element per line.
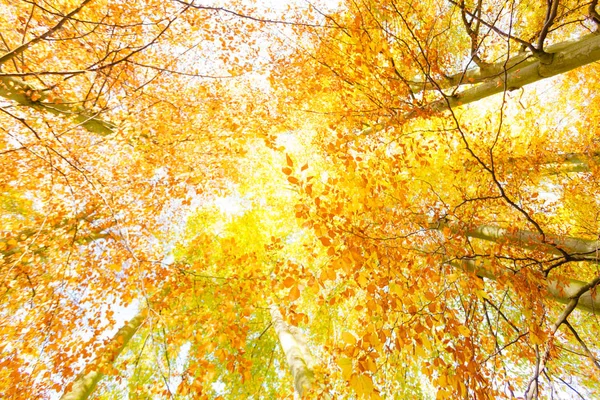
<point x="357" y="199"/>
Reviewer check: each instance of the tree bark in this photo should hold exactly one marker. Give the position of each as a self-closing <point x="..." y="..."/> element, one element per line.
<point x="582" y="249"/>
<point x="24" y="94"/>
<point x="86" y="382"/>
<point x="561" y="290"/>
<point x="296" y="351"/>
<point x="516" y="72"/>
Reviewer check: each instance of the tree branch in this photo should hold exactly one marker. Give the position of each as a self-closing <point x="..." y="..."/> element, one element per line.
<point x="26" y="95"/>
<point x="593" y="13"/>
<point x="15" y="52"/>
<point x="550" y="16"/>
<point x="562" y="319"/>
<point x="494" y="27"/>
<point x="561" y="290"/>
<point x="583" y="345"/>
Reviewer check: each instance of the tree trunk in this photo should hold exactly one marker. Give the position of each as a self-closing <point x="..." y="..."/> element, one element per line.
<point x="561" y="290"/>
<point x="295" y="349"/>
<point x="560" y="57"/>
<point x="25" y="94"/>
<point x="523" y="70"/>
<point x="582" y="249"/>
<point x="86" y="382"/>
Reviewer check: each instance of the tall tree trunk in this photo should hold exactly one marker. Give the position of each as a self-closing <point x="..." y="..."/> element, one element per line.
<point x="296" y="351"/>
<point x="38" y="98"/>
<point x="523" y="70"/>
<point x="561" y="290"/>
<point x="86" y="382"/>
<point x="582" y="249"/>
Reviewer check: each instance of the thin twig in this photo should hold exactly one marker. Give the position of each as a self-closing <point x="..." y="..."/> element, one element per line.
<point x="25" y="46"/>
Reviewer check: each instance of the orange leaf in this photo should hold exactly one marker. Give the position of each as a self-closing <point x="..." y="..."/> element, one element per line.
<point x="325" y="240"/>
<point x="294" y="293"/>
<point x="289" y="281"/>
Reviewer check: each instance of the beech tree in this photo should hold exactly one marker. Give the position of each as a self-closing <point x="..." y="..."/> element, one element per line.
<point x="447" y="209"/>
<point x="372" y="199"/>
<point x="104" y="143"/>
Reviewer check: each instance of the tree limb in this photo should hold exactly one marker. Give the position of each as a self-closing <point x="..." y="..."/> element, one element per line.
<point x="25" y="94"/>
<point x="521" y="70"/>
<point x="15" y="52"/>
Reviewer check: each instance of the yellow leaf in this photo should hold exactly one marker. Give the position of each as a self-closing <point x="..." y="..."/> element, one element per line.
<point x="536" y="334"/>
<point x="362" y="385"/>
<point x="371" y="366"/>
<point x="396" y="289"/>
<point x="349" y="338"/>
<point x="345" y="364"/>
<point x="362" y="280"/>
<point x="325" y="241"/>
<point x="464" y="331"/>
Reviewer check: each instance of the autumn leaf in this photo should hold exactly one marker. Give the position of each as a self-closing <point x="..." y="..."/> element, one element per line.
<point x="151" y="247"/>
<point x="345" y="365"/>
<point x="349" y="338"/>
<point x="294" y="293"/>
<point x="362" y="385"/>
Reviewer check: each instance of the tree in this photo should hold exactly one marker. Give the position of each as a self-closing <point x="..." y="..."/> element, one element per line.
<point x="102" y="145"/>
<point x="427" y="181"/>
<point x="410" y="186"/>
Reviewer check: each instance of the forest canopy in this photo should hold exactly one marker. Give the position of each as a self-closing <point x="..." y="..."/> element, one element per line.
<point x="365" y="199"/>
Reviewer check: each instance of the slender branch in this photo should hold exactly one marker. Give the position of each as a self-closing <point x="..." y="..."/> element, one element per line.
<point x="562" y="319"/>
<point x="473" y="32"/>
<point x="593" y="13"/>
<point x="550" y="16"/>
<point x="15" y="52"/>
<point x="570" y="387"/>
<point x="256" y="19"/>
<point x="582" y="344"/>
<point x="495" y="28"/>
